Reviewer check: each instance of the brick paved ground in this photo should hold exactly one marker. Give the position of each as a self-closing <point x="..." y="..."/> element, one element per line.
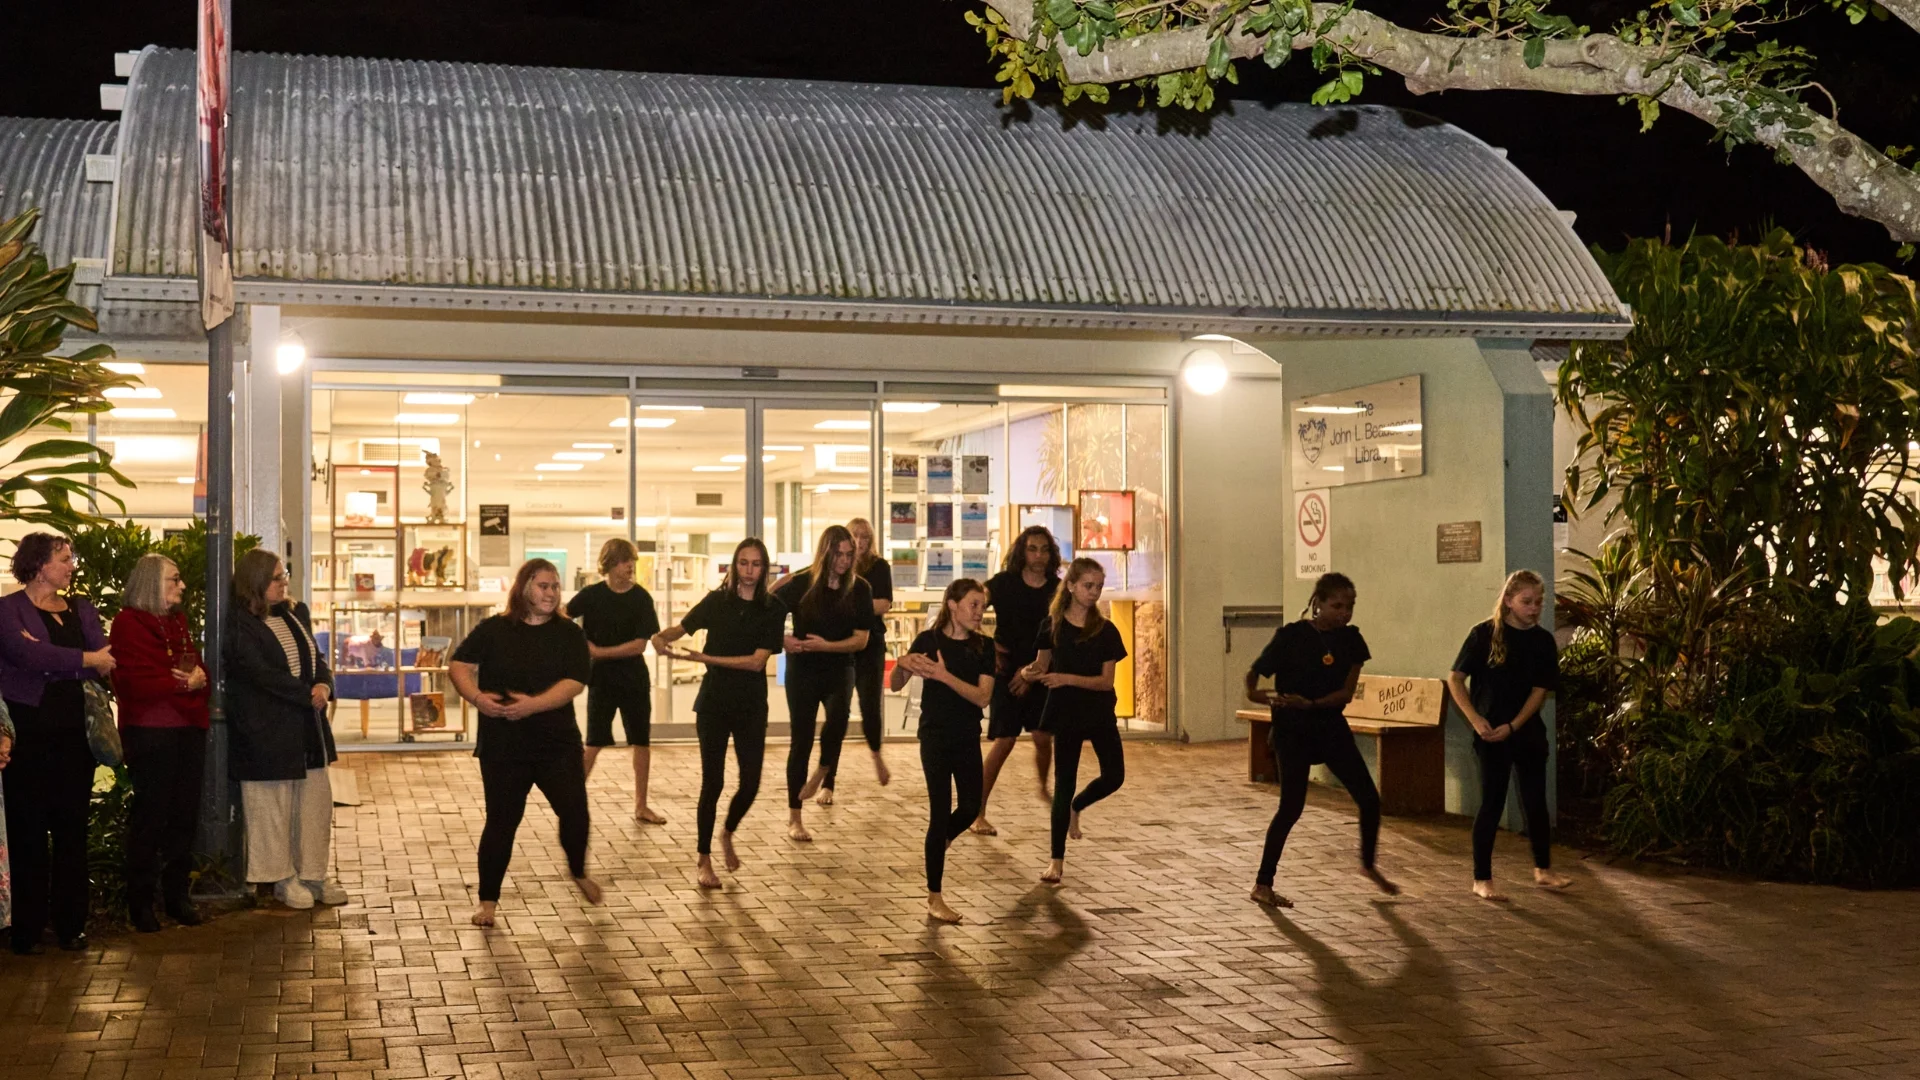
<point x="817" y="961"/>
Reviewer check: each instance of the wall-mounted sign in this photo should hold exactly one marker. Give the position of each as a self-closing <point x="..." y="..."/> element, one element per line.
<point x="1358" y="435"/>
<point x="496" y="545"/>
<point x="1458" y="542"/>
<point x="1312" y="534"/>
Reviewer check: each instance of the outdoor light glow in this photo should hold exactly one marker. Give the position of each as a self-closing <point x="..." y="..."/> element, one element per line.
<point x="1204" y="372"/>
<point x="426" y="419"/>
<point x="125" y="367"/>
<point x="424" y="398"/>
<point x="148" y="392"/>
<point x="1210" y="337"/>
<point x="587" y="445"/>
<point x="143" y="414"/>
<point x="843" y="425"/>
<point x="644" y="422"/>
<point x="289" y="356"/>
<point x="716" y="468"/>
<point x="909" y="406"/>
<point x="558" y="466"/>
<point x="578" y="455"/>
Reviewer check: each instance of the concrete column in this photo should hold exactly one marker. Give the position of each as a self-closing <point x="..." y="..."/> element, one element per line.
<point x="257" y="480"/>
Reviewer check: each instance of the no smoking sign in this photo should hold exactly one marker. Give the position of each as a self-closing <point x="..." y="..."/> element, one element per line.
<point x="1313" y="533"/>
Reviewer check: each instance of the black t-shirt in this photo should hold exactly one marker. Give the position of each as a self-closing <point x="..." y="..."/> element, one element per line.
<point x="1313" y="663"/>
<point x="615" y="618"/>
<point x="835" y="616"/>
<point x="969" y="660"/>
<point x="1078" y="656"/>
<point x="518" y="657"/>
<point x="1018" y="611"/>
<point x="735" y="627"/>
<point x="879" y="579"/>
<point x="1499" y="693"/>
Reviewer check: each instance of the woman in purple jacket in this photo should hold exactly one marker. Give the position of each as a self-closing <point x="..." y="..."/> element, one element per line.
<point x="48" y="644"/>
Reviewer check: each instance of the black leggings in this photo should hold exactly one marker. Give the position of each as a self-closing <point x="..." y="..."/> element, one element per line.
<point x="807" y="690"/>
<point x="561" y="776"/>
<point x="1527" y="755"/>
<point x="749" y="734"/>
<point x="1343" y="760"/>
<point x="951" y="759"/>
<point x="868" y="669"/>
<point x="49" y="793"/>
<point x="166" y="765"/>
<point x="1105" y="738"/>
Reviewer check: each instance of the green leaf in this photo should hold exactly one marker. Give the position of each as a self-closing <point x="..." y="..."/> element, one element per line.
<point x="1217" y="57"/>
<point x="1279" y="49"/>
<point x="1353" y="80"/>
<point x="1064" y="13"/>
<point x="1534" y="52"/>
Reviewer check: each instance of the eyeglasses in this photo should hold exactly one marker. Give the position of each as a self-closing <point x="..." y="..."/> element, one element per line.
<point x="281" y="577"/>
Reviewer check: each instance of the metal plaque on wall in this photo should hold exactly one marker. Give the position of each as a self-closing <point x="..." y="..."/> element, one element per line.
<point x="1458" y="541"/>
<point x="1355" y="436"/>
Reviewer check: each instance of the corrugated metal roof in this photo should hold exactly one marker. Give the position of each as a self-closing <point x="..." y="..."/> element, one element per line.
<point x="43" y="163"/>
<point x="424" y="180"/>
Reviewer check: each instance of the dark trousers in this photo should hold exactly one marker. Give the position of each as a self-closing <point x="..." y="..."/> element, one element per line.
<point x="1105" y="738"/>
<point x="868" y="669"/>
<point x="49" y="792"/>
<point x="1525" y="754"/>
<point x="1344" y="761"/>
<point x="561" y="776"/>
<point x="166" y="766"/>
<point x="749" y="735"/>
<point x="808" y="689"/>
<point x="951" y="759"/>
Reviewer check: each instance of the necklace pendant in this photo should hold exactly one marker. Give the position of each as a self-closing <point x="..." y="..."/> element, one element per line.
<point x="1327" y="660"/>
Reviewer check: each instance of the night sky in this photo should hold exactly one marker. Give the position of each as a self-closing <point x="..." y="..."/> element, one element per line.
<point x="1586" y="153"/>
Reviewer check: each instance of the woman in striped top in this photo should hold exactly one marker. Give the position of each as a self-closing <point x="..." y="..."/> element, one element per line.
<point x="277" y="687"/>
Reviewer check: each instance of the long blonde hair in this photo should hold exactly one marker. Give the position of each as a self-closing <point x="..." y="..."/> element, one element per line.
<point x="1063" y="601"/>
<point x="1516" y="581"/>
<point x="862" y="563"/>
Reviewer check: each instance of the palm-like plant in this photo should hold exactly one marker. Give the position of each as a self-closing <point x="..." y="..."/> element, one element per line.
<point x="39" y="389"/>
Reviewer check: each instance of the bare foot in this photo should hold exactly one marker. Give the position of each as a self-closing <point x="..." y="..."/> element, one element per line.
<point x="589" y="889"/>
<point x="1055" y="870"/>
<point x="984" y="827"/>
<point x="708" y="879"/>
<point x="798" y="831"/>
<point x="1380" y="881"/>
<point x="1264" y="894"/>
<point x="1073" y="826"/>
<point x="726" y="852"/>
<point x="826" y="797"/>
<point x="1547" y="879"/>
<point x="880" y="770"/>
<point x="937" y="909"/>
<point x="649" y="815"/>
<point x="484" y="916"/>
<point x="1485" y="891"/>
<point x="1046" y="796"/>
<point x="812" y="786"/>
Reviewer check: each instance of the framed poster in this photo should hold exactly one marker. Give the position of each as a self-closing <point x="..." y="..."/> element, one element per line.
<point x="905" y="565"/>
<point x="940" y="474"/>
<point x="903" y="520"/>
<point x="1061" y="521"/>
<point x="939" y="568"/>
<point x="496" y="532"/>
<point x="1106" y="521"/>
<point x="940" y="521"/>
<point x="975" y="564"/>
<point x="906" y="474"/>
<point x="975" y="474"/>
<point x="973" y="519"/>
<point x="365" y="496"/>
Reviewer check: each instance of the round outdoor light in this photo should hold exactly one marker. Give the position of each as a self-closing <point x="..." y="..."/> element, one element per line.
<point x="1204" y="371"/>
<point x="290" y="355"/>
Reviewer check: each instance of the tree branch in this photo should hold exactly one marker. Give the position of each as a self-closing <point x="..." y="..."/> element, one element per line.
<point x="1907" y="11"/>
<point x="1863" y="181"/>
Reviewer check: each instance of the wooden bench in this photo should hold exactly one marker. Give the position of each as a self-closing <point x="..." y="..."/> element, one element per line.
<point x="1403" y="716"/>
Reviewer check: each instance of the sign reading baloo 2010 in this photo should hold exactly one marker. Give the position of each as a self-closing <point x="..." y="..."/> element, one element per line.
<point x="1358" y="435"/>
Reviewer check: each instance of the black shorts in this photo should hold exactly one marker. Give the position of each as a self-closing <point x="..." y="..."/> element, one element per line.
<point x="1012" y="715"/>
<point x="635" y="706"/>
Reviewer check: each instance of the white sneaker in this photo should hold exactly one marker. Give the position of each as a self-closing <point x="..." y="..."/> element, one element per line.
<point x="328" y="892"/>
<point x="293" y="893"/>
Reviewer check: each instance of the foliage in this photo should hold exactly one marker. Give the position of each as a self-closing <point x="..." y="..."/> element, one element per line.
<point x="40" y="388"/>
<point x="1764" y="413"/>
<point x="105" y="555"/>
<point x="107" y="843"/>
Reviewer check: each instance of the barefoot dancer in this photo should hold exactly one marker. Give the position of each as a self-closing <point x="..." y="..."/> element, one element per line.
<point x="956" y="663"/>
<point x="1020" y="595"/>
<point x="744" y="626"/>
<point x="619" y="618"/>
<point x="522" y="670"/>
<point x="832" y="609"/>
<point x="1075" y="654"/>
<point x="1514" y="665"/>
<point x="1315" y="664"/>
<point x="869" y="666"/>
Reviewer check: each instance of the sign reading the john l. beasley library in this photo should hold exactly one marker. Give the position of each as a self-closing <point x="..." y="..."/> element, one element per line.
<point x="1358" y="435"/>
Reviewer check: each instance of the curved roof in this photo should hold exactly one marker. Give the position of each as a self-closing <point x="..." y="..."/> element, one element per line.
<point x="43" y="163"/>
<point x="439" y="184"/>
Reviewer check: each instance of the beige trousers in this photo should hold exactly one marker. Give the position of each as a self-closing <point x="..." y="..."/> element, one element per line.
<point x="289" y="827"/>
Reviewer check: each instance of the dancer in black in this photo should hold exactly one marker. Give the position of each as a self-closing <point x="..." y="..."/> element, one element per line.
<point x="1020" y="595"/>
<point x="1513" y="664"/>
<point x="522" y="670"/>
<point x="869" y="666"/>
<point x="619" y="618"/>
<point x="744" y="626"/>
<point x="832" y="610"/>
<point x="1315" y="665"/>
<point x="1076" y="651"/>
<point x="955" y="663"/>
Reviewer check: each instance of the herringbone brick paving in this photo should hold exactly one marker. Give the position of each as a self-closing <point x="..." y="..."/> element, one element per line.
<point x="817" y="960"/>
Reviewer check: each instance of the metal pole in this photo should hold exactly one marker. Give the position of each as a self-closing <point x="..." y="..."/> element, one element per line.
<point x="219" y="835"/>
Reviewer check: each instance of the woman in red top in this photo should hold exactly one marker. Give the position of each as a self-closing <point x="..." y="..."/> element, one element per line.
<point x="162" y="690"/>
